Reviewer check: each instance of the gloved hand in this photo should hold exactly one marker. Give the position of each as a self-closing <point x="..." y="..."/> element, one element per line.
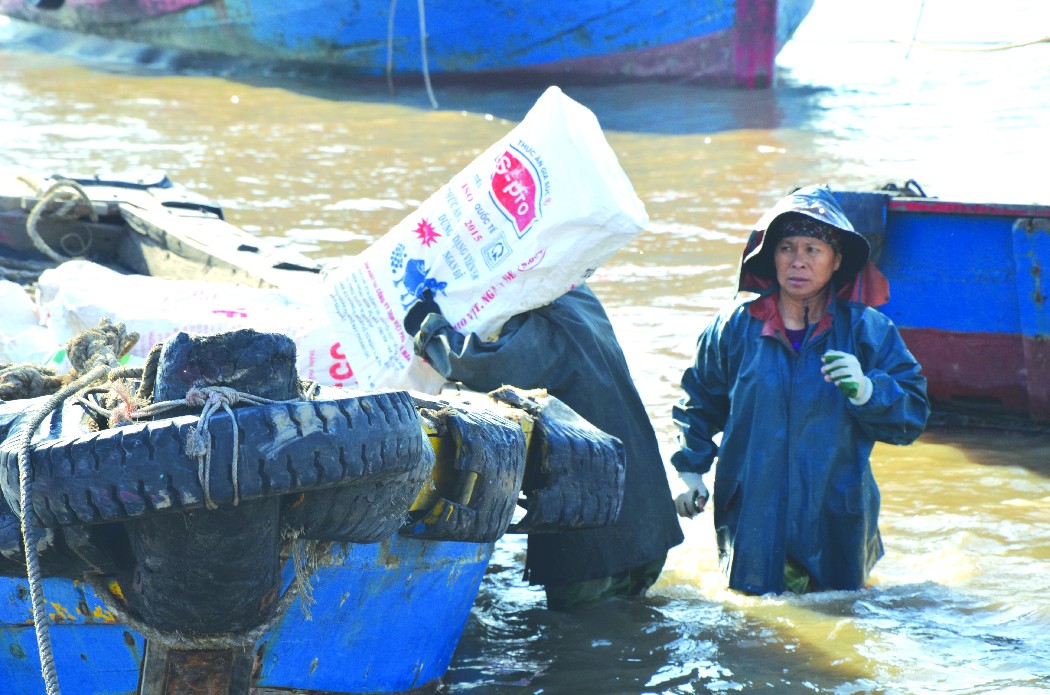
<point x="694" y="499"/>
<point x="418" y="312"/>
<point x="432" y="343"/>
<point x="843" y="369"/>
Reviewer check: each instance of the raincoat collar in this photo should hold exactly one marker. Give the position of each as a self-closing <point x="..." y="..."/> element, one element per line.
<point x="765" y="309"/>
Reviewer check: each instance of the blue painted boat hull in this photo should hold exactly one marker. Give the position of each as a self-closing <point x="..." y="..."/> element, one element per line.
<point x="723" y="41"/>
<point x="967" y="295"/>
<point x="335" y="650"/>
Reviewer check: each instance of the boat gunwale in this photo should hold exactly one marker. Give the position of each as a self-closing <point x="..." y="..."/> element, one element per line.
<point x="938" y="206"/>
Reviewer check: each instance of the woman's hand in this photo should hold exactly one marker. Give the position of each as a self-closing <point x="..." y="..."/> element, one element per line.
<point x="843" y="369"/>
<point x="694" y="499"/>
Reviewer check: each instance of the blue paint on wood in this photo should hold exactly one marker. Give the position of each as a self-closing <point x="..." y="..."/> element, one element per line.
<point x="951" y="272"/>
<point x="1031" y="242"/>
<point x="387" y="618"/>
<point x="392" y="628"/>
<point x="91" y="659"/>
<point x="955" y="270"/>
<point x="481" y="35"/>
<point x="662" y="39"/>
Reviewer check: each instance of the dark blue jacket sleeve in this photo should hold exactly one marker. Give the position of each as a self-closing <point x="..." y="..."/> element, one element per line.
<point x="898" y="408"/>
<point x="524" y="354"/>
<point x="701" y="413"/>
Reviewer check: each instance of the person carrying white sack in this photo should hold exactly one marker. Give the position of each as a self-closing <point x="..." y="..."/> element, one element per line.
<point x="569" y="348"/>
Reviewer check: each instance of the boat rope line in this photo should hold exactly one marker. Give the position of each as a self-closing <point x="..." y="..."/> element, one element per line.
<point x="955" y="48"/>
<point x="306" y="557"/>
<point x="27" y="380"/>
<point x="70" y="208"/>
<point x="198" y="441"/>
<point x="425" y="65"/>
<point x="179" y="640"/>
<point x="99" y="343"/>
<point x="41" y="621"/>
<point x="423" y="50"/>
<point x="915" y="33"/>
<point x="390" y="48"/>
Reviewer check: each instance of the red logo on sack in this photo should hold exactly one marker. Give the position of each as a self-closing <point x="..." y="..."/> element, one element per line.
<point x="515" y="189"/>
<point x="531" y="263"/>
<point x="340" y="370"/>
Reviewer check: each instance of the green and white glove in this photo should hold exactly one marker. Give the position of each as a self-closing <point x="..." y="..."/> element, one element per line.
<point x="694" y="499"/>
<point x="843" y="370"/>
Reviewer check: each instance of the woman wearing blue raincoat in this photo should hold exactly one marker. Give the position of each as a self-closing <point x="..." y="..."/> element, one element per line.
<point x="800" y="382"/>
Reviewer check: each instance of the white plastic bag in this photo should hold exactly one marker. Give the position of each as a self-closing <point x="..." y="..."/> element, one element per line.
<point x="76" y="294"/>
<point x="536" y="214"/>
<point x="22" y="338"/>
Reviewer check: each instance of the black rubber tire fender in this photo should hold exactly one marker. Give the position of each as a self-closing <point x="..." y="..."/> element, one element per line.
<point x="128" y="472"/>
<point x="207" y="571"/>
<point x="575" y="472"/>
<point x="365" y="512"/>
<point x="490" y="462"/>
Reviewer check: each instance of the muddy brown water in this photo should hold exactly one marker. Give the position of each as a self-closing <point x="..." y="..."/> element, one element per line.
<point x="960" y="603"/>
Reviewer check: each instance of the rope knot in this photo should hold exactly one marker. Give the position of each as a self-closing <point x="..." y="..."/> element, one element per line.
<point x="198" y="441"/>
<point x="102" y="345"/>
<point x="213" y="397"/>
<point x="25" y="380"/>
<point x="196" y="398"/>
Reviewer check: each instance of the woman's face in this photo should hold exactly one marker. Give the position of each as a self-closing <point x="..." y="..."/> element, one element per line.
<point x="804" y="266"/>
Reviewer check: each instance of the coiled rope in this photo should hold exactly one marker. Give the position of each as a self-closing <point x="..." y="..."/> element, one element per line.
<point x="28" y="380"/>
<point x="69" y="208"/>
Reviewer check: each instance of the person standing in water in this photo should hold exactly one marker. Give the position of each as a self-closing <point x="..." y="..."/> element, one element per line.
<point x="568" y="347"/>
<point x="800" y="382"/>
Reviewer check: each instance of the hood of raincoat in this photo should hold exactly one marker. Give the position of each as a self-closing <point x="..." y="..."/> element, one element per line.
<point x="857" y="279"/>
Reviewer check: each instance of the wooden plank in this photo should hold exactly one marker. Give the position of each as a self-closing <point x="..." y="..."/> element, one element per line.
<point x="1031" y="243"/>
<point x="179" y="243"/>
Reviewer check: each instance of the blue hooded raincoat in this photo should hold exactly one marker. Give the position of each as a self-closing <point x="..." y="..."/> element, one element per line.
<point x="794" y="479"/>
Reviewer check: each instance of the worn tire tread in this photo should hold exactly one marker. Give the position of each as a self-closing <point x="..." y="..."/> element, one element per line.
<point x="124" y="473"/>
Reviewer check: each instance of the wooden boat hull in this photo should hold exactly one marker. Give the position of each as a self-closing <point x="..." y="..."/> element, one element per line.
<point x="704" y="40"/>
<point x="968" y="297"/>
<point x="385" y="616"/>
<point x="392" y="584"/>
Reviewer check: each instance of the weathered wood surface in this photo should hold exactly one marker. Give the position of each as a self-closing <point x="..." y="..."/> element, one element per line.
<point x="151" y="228"/>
